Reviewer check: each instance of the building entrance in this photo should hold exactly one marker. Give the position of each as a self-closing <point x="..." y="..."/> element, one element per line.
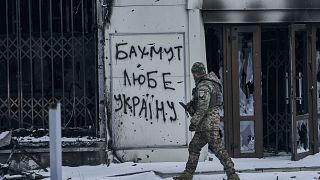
<point x="269" y="87"/>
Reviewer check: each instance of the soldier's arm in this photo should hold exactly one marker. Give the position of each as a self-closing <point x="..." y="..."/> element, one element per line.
<point x="203" y="95"/>
<point x="190" y="104"/>
<point x="190" y="108"/>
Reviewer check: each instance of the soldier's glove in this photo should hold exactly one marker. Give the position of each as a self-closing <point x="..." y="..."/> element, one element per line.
<point x="190" y="108"/>
<point x="192" y="127"/>
<point x="220" y="133"/>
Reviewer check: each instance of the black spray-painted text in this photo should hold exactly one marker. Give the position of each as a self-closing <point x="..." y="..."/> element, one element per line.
<point x="146" y="107"/>
<point x="141" y="79"/>
<point x="125" y="51"/>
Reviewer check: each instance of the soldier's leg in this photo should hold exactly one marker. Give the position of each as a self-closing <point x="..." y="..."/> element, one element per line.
<point x="197" y="142"/>
<point x="195" y="146"/>
<point x="214" y="141"/>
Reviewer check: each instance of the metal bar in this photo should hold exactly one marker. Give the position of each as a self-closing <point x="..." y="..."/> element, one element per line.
<point x="285" y="111"/>
<point x="73" y="67"/>
<point x="41" y="60"/>
<point x="267" y="94"/>
<point x="62" y="59"/>
<point x="8" y="67"/>
<point x="86" y="17"/>
<point x="84" y="66"/>
<point x="13" y="25"/>
<point x="300" y="87"/>
<point x="31" y="63"/>
<point x="287" y="114"/>
<point x="287" y="88"/>
<point x="67" y="17"/>
<point x="19" y="64"/>
<point x="277" y="108"/>
<point x="51" y="50"/>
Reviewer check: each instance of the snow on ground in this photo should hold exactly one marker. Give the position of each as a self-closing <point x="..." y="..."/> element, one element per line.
<point x="302" y="175"/>
<point x="28" y="139"/>
<point x="150" y="171"/>
<point x="4" y="134"/>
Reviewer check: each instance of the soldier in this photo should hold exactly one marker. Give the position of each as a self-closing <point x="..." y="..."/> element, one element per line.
<point x="204" y="109"/>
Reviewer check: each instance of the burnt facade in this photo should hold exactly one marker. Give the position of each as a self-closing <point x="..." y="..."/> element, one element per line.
<point x="267" y="53"/>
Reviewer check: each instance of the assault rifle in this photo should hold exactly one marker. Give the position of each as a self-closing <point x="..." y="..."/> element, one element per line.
<point x="185" y="107"/>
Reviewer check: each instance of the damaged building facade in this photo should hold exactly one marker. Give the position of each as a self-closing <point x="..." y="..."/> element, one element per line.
<point x="48" y="54"/>
<point x="120" y="69"/>
<point x="265" y="53"/>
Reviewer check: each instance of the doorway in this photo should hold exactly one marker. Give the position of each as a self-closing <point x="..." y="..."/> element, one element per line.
<point x="301" y="90"/>
<point x="246" y="91"/>
<point x="269" y="75"/>
<point x="275" y="90"/>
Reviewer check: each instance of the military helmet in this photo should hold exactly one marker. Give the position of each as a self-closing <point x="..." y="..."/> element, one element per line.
<point x="198" y="67"/>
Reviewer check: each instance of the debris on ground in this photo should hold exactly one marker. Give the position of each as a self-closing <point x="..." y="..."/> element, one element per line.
<point x="7" y="172"/>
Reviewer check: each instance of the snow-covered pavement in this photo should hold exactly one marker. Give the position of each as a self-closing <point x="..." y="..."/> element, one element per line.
<point x="270" y="168"/>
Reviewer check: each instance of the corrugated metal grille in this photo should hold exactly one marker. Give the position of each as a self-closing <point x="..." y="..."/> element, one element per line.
<point x="276" y="112"/>
<point x="47" y="54"/>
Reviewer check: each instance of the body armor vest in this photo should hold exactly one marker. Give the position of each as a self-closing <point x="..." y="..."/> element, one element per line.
<point x="216" y="97"/>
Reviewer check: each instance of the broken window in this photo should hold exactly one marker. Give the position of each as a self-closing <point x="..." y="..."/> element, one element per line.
<point x="247" y="137"/>
<point x="245" y="74"/>
<point x="302" y="136"/>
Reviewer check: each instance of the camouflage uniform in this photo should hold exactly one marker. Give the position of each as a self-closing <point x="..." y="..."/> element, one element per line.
<point x="205" y="122"/>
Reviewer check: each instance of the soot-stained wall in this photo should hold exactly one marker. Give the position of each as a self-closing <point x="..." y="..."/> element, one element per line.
<point x="147" y="65"/>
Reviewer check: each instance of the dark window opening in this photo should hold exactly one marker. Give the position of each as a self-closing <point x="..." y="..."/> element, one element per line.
<point x="48" y="54"/>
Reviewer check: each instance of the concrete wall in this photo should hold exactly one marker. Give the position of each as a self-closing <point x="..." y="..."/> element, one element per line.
<point x="148" y="72"/>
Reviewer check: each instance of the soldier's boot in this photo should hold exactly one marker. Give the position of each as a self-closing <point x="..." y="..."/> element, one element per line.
<point x="184" y="176"/>
<point x="231" y="173"/>
<point x="233" y="176"/>
<point x="190" y="166"/>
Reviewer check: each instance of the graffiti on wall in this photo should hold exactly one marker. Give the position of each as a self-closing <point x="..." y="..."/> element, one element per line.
<point x="148" y="74"/>
<point x="142" y="106"/>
